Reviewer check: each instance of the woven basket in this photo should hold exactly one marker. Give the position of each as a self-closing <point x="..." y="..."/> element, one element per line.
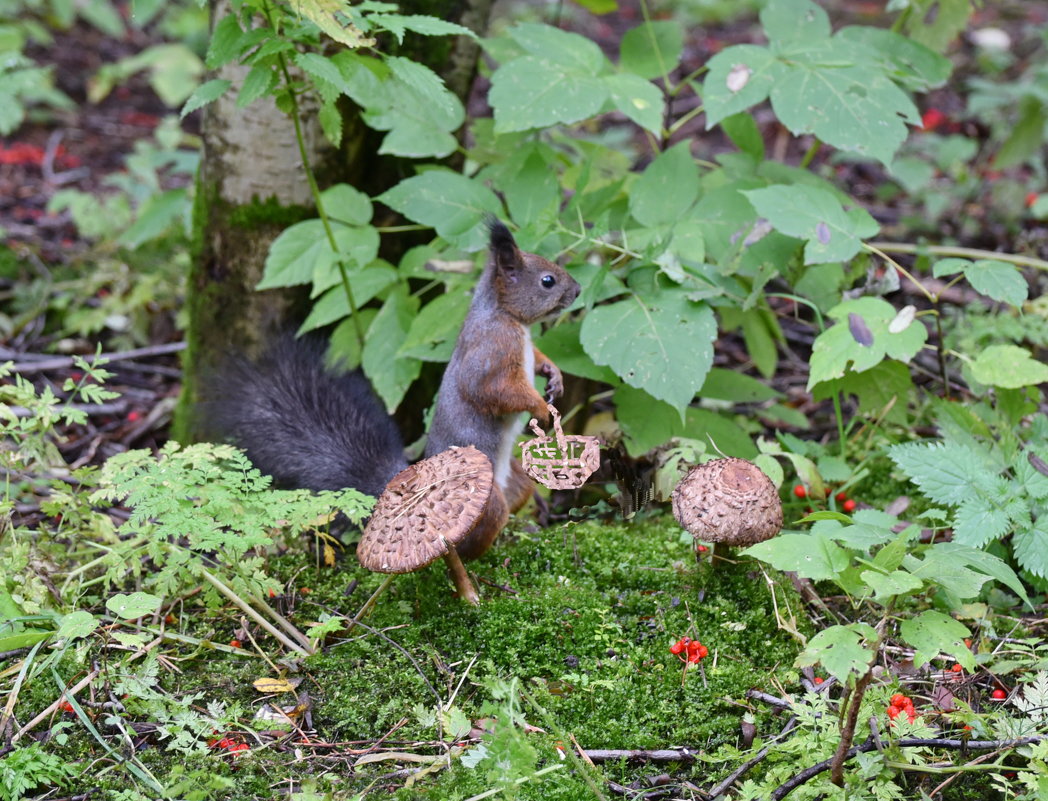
<point x="559" y="462"/>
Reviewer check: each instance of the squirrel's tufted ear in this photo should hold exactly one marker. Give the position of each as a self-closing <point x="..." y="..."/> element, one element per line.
<point x="503" y="246"/>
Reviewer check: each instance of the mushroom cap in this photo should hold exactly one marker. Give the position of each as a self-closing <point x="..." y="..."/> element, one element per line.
<point x="730" y="501"/>
<point x="425" y="509"/>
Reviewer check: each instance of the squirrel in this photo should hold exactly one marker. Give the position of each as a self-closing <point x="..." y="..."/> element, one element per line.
<point x="311" y="428"/>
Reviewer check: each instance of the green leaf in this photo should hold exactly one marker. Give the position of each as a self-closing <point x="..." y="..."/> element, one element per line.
<point x="842" y="650"/>
<point x="319" y="67"/>
<point x="344" y="203"/>
<point x="559" y="47"/>
<point x="885" y="586"/>
<point x="932" y="633"/>
<point x="532" y="189"/>
<point x="998" y="279"/>
<point x="742" y="129"/>
<point x="135" y="605"/>
<point x="662" y="343"/>
<point x="938" y="30"/>
<point x="817" y="216"/>
<point x="1008" y="366"/>
<point x="303" y="254"/>
<point x="1031" y="548"/>
<point x="389" y="375"/>
<point x="955" y="553"/>
<point x="653" y="49"/>
<point x="645" y="421"/>
<point x="224" y="46"/>
<point x="76" y="625"/>
<point x="667" y="188"/>
<point x="23" y="639"/>
<point x="1027" y="135"/>
<point x="731" y="385"/>
<point x="257" y="83"/>
<point x="155" y="216"/>
<point x="434" y="330"/>
<point x="738" y="77"/>
<point x="812" y="555"/>
<point x="862" y="339"/>
<point x="883" y="390"/>
<point x="418" y="23"/>
<point x="950" y="570"/>
<point x="449" y="202"/>
<point x="638" y="99"/>
<point x="333" y="304"/>
<point x="561" y="344"/>
<point x="794" y="20"/>
<point x="945" y="471"/>
<point x="530" y="92"/>
<point x="908" y="62"/>
<point x="205" y="93"/>
<point x="979" y="521"/>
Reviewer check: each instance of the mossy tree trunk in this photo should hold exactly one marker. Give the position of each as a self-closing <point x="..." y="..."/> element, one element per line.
<point x="251" y="186"/>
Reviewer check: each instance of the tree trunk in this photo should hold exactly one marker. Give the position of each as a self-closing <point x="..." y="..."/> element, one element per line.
<point x="251" y="186"/>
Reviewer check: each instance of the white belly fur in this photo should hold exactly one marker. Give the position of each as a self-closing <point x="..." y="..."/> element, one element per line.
<point x="512" y="425"/>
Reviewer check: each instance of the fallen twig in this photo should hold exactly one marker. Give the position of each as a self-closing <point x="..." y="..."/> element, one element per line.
<point x="33" y="364"/>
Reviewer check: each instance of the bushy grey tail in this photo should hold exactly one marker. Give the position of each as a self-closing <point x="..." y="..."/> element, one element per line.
<point x="305" y="425"/>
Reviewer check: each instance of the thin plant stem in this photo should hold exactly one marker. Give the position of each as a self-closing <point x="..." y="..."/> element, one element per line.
<point x="958" y="252"/>
<point x="812" y="151"/>
<point x="913" y="279"/>
<point x="370" y="602"/>
<point x="273" y="630"/>
<point x="296" y="119"/>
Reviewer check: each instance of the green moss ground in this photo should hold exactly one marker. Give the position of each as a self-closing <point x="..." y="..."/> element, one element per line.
<point x="586" y="630"/>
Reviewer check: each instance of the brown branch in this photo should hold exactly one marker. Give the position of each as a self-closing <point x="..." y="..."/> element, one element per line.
<point x="35" y="365"/>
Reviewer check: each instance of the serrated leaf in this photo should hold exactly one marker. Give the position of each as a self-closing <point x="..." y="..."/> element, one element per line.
<point x="135" y="605"/>
<point x="981" y="561"/>
<point x="1031" y="548"/>
<point x="638" y="99"/>
<point x="257" y="83"/>
<point x="205" y="93"/>
<point x="225" y="42"/>
<point x="998" y="280"/>
<point x="842" y="650"/>
<point x="979" y="521"/>
<point x="1008" y="366"/>
<point x="815" y="215"/>
<point x="333" y="304"/>
<point x="948" y="569"/>
<point x="661" y="343"/>
<point x="653" y="49"/>
<point x="932" y="633"/>
<point x="451" y="203"/>
<point x="666" y="188"/>
<point x="320" y="67"/>
<point x="945" y="471"/>
<point x="908" y="62"/>
<point x="815" y="555"/>
<point x="723" y="91"/>
<point x="397" y="24"/>
<point x="530" y="92"/>
<point x="330" y="16"/>
<point x="836" y="349"/>
<point x="302" y="254"/>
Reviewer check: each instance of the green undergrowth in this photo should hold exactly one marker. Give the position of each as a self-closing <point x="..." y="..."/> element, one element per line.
<point x="581" y="619"/>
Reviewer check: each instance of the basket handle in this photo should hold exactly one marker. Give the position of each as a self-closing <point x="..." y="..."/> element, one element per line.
<point x="558" y="431"/>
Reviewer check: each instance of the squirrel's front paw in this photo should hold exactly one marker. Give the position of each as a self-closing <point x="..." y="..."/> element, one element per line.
<point x="554" y="383"/>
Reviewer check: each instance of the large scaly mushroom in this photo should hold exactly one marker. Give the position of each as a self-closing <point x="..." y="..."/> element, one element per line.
<point x="425" y="511"/>
<point x="729" y="502"/>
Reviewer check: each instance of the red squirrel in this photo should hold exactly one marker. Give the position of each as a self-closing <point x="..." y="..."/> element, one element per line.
<point x="310" y="427"/>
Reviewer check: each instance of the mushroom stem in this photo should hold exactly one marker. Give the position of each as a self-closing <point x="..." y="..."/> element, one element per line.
<point x="466" y="591"/>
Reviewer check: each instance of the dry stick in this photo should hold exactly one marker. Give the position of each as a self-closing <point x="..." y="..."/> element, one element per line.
<point x="62" y="362"/>
<point x="273" y="630"/>
<point x="848" y="731"/>
<point x="285" y="624"/>
<point x="370" y="602"/>
<point x="90" y="677"/>
<point x="787" y="787"/>
<point x="656" y="755"/>
<point x="740" y="771"/>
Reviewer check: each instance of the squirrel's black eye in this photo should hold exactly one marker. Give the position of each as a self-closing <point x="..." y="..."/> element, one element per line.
<point x="548" y="281"/>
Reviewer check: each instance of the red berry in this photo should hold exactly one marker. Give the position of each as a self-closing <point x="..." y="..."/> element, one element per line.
<point x="899" y="700"/>
<point x="911" y="715"/>
<point x="894" y="712"/>
<point x="305" y="590"/>
<point x="848" y="505"/>
<point x="800" y="491"/>
<point x="998" y="694"/>
<point x="818" y="679"/>
<point x="133" y="415"/>
<point x="967" y="728"/>
<point x="957" y="667"/>
<point x="701" y="548"/>
<point x="67" y="707"/>
<point x="703" y="651"/>
<point x="932" y="119"/>
<point x="235" y="644"/>
<point x="1031" y="198"/>
<point x="677" y="647"/>
<point x="841" y="497"/>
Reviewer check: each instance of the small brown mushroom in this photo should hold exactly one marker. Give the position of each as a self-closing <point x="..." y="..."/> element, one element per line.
<point x="729" y="502"/>
<point x="425" y="511"/>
